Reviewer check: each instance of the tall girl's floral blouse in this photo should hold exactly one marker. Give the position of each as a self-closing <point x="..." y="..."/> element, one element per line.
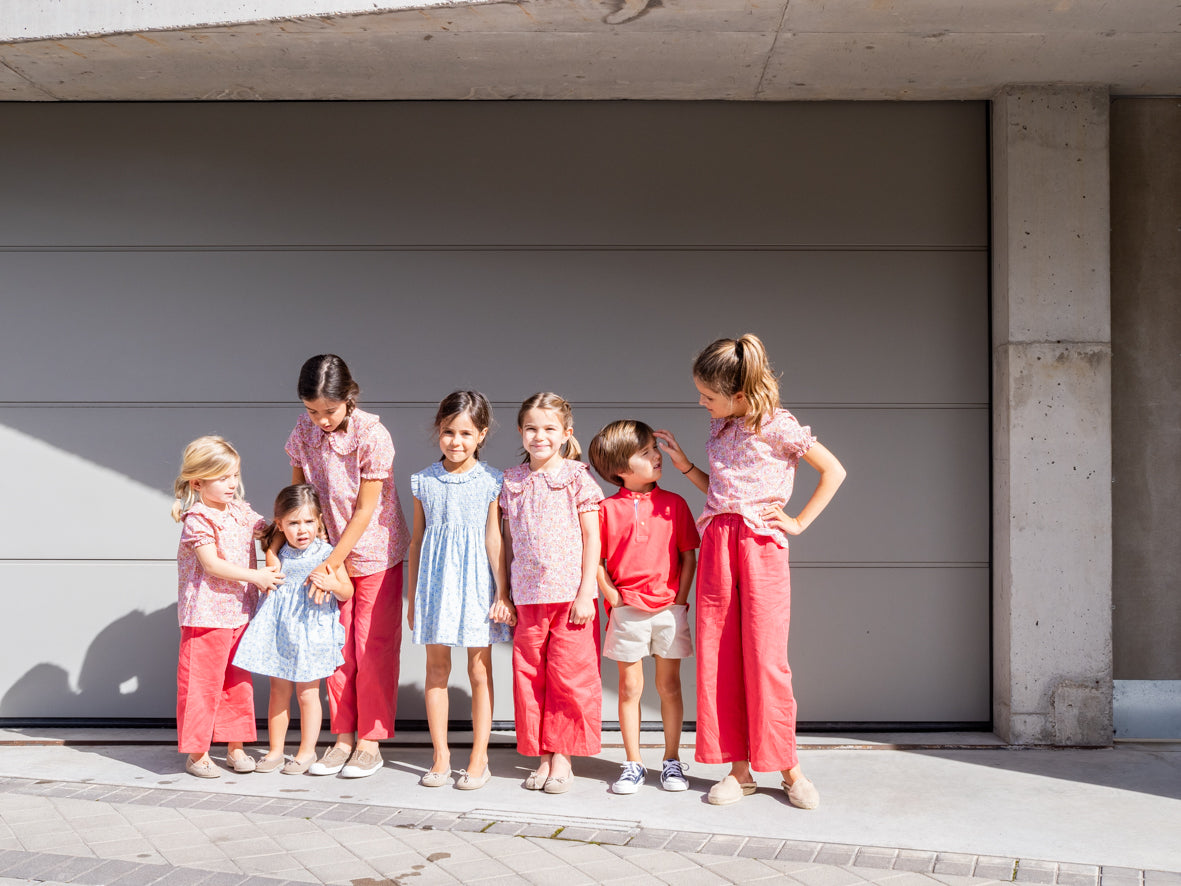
<point x="336" y="463"/>
<point x="542" y="509"/>
<point x="204" y="601"/>
<point x="749" y="471"/>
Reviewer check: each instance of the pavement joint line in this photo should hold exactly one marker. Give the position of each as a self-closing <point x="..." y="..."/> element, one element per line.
<point x="617" y="832"/>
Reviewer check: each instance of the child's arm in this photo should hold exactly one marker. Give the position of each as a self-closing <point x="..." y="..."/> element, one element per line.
<point x="688" y="567"/>
<point x="507" y="533"/>
<point x="413" y="556"/>
<point x="582" y="610"/>
<point x="297" y="478"/>
<point x="266" y="579"/>
<point x="832" y="475"/>
<point x="338" y="584"/>
<point x="502" y="607"/>
<point x="368" y="498"/>
<point x="606" y="586"/>
<point x="695" y="475"/>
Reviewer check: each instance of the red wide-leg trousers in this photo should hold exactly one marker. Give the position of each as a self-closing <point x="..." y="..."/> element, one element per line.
<point x="214" y="697"/>
<point x="557" y="692"/>
<point x="745" y="706"/>
<point x="363" y="692"/>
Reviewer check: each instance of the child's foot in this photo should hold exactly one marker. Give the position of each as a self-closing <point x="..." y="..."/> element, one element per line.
<point x="631" y="779"/>
<point x="298" y="765"/>
<point x="240" y="761"/>
<point x="802" y="793"/>
<point x="333" y="761"/>
<point x="558" y="784"/>
<point x="672" y="775"/>
<point x="435" y="779"/>
<point x="269" y="763"/>
<point x="201" y="767"/>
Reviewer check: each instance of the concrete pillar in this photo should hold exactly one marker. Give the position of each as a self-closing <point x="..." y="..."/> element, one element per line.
<point x="1051" y="343"/>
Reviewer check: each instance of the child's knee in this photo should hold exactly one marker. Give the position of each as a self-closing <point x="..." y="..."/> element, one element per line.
<point x="478" y="673"/>
<point x="631" y="684"/>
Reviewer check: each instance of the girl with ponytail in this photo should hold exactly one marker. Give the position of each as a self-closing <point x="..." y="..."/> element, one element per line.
<point x="746" y="712"/>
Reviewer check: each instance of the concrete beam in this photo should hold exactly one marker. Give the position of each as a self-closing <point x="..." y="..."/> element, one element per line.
<point x="1052" y="655"/>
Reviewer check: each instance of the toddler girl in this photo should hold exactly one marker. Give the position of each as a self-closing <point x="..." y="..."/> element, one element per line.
<point x="746" y="713"/>
<point x="216" y="566"/>
<point x="551" y="505"/>
<point x="348" y="456"/>
<point x="458" y="592"/>
<point x="296" y="636"/>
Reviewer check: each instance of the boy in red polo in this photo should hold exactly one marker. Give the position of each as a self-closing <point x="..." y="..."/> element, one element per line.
<point x="649" y="542"/>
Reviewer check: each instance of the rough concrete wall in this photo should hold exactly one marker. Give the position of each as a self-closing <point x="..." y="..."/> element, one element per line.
<point x="1052" y="433"/>
<point x="1146" y="386"/>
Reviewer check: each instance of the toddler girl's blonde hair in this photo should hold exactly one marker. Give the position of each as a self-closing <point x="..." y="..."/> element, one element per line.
<point x="730" y="365"/>
<point x="553" y="403"/>
<point x="206" y="458"/>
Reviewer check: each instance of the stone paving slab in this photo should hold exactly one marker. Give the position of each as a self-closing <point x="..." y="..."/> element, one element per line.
<point x="100" y="835"/>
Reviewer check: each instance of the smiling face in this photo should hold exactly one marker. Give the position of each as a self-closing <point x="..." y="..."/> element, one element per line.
<point x="542" y="436"/>
<point x="717" y="404"/>
<point x="217" y="492"/>
<point x="459" y="439"/>
<point x="327" y="415"/>
<point x="300" y="527"/>
<point x="643" y="469"/>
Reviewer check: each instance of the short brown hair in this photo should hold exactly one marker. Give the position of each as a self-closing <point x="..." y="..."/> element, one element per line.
<point x="613" y="447"/>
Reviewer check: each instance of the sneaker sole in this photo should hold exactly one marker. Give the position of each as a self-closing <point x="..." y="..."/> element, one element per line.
<point x="629" y="789"/>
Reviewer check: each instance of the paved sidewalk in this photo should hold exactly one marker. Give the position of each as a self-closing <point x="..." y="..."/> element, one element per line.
<point x="104" y="814"/>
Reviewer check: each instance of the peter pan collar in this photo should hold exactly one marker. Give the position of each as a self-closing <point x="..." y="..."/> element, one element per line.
<point x="235" y="512"/>
<point x="516" y="479"/>
<point x="346" y="441"/>
<point x="624" y="492"/>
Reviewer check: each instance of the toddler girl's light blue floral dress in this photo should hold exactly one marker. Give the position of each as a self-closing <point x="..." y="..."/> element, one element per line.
<point x="455" y="586"/>
<point x="290" y="636"/>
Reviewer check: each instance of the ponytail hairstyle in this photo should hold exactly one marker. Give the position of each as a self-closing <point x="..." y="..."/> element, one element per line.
<point x="553" y="403"/>
<point x="292" y="498"/>
<point x="206" y="458"/>
<point x="733" y="365"/>
<point x="473" y="404"/>
<point x="327" y="377"/>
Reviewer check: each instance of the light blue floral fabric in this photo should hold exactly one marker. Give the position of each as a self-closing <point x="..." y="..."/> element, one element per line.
<point x="290" y="636"/>
<point x="455" y="586"/>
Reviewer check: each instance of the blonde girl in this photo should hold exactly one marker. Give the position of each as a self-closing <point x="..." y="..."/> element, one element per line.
<point x="348" y="456"/>
<point x="296" y="636"/>
<point x="550" y="505"/>
<point x="458" y="590"/>
<point x="218" y="576"/>
<point x="746" y="712"/>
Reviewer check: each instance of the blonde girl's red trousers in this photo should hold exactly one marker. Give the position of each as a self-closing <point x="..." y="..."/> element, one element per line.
<point x="557" y="692"/>
<point x="745" y="706"/>
<point x="363" y="692"/>
<point x="214" y="698"/>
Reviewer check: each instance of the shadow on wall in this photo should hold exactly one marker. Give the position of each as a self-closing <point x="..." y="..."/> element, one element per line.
<point x="130" y="660"/>
<point x="129" y="671"/>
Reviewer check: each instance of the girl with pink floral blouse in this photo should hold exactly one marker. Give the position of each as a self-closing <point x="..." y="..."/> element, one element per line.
<point x="217" y="592"/>
<point x="746" y="712"/>
<point x="550" y="506"/>
<point x="348" y="456"/>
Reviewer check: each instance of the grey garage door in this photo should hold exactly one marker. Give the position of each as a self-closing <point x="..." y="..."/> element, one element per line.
<point x="165" y="269"/>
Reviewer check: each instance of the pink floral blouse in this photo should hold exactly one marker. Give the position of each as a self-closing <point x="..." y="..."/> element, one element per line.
<point x="204" y="601"/>
<point x="542" y="509"/>
<point x="336" y="464"/>
<point x="749" y="471"/>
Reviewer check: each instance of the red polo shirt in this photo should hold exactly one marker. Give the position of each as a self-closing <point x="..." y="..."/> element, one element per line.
<point x="643" y="535"/>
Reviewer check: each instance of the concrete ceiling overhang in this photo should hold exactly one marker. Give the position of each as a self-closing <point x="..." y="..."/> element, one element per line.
<point x="763" y="50"/>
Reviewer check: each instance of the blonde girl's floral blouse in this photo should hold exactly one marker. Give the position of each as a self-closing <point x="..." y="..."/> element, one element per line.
<point x="542" y="510"/>
<point x="335" y="464"/>
<point x="204" y="601"/>
<point x="749" y="471"/>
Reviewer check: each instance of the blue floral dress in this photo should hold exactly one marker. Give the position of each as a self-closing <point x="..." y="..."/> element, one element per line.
<point x="456" y="587"/>
<point x="290" y="636"/>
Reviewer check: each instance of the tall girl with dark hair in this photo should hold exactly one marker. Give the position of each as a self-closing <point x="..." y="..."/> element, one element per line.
<point x="348" y="456"/>
<point x="746" y="712"/>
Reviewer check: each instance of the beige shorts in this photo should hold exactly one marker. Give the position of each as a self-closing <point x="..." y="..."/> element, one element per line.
<point x="633" y="633"/>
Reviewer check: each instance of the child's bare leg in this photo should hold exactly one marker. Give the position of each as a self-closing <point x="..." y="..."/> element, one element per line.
<point x="561" y="765"/>
<point x="672" y="706"/>
<point x="278" y="717"/>
<point x="311" y="715"/>
<point x="545" y="766"/>
<point x="438" y="674"/>
<point x="479" y="673"/>
<point x="631" y="687"/>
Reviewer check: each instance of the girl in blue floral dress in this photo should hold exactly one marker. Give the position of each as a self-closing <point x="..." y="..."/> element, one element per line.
<point x="458" y="592"/>
<point x="295" y="637"/>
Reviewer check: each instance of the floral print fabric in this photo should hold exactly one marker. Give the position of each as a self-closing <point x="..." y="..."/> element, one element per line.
<point x="204" y="601"/>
